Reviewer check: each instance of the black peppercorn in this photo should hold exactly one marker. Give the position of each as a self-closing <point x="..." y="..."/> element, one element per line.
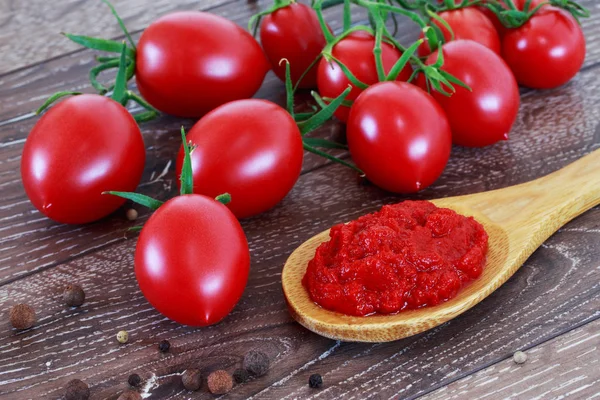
<point x="134" y="380"/>
<point x="256" y="363"/>
<point x="130" y="395"/>
<point x="164" y="346"/>
<point x="240" y="375"/>
<point x="315" y="381"/>
<point x="192" y="379"/>
<point x="22" y="316"/>
<point x="77" y="390"/>
<point x="74" y="296"/>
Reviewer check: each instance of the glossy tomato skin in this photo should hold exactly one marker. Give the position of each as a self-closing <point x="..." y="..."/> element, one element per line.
<point x="251" y="149"/>
<point x="81" y="147"/>
<point x="293" y="32"/>
<point x="547" y="51"/>
<point x="467" y="24"/>
<point x="399" y="136"/>
<point x="486" y="114"/>
<point x="191" y="62"/>
<point x="356" y="52"/>
<point x="192" y="260"/>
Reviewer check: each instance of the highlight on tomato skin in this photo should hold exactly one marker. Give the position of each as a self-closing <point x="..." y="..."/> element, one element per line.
<point x="356" y="52"/>
<point x="80" y="148"/>
<point x="191" y="62"/>
<point x="249" y="148"/>
<point x="293" y="33"/>
<point x="192" y="260"/>
<point x="399" y="136"/>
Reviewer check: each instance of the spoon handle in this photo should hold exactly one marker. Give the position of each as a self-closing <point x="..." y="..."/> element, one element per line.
<point x="540" y="207"/>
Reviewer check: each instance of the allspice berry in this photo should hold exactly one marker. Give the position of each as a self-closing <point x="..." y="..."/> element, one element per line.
<point x="519" y="357"/>
<point x="77" y="390"/>
<point x="134" y="380"/>
<point x="164" y="346"/>
<point x="240" y="375"/>
<point x="122" y="337"/>
<point x="192" y="379"/>
<point x="315" y="381"/>
<point x="256" y="363"/>
<point x="74" y="296"/>
<point x="22" y="316"/>
<point x="130" y="395"/>
<point x="220" y="382"/>
<point x="132" y="214"/>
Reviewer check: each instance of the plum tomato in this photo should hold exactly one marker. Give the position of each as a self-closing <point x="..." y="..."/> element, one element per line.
<point x="293" y="32"/>
<point x="192" y="260"/>
<point x="80" y="148"/>
<point x="399" y="136"/>
<point x="190" y="62"/>
<point x="251" y="149"/>
<point x="485" y="114"/>
<point x="547" y="51"/>
<point x="467" y="24"/>
<point x="356" y="52"/>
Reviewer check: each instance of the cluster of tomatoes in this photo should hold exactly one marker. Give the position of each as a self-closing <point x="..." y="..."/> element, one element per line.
<point x="192" y="258"/>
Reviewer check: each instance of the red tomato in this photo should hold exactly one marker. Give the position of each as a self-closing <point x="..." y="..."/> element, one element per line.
<point x="293" y="33"/>
<point x="192" y="260"/>
<point x="466" y="23"/>
<point x="486" y="114"/>
<point x="356" y="52"/>
<point x="251" y="149"/>
<point x="547" y="51"/>
<point x="399" y="136"/>
<point x="191" y="62"/>
<point x="81" y="147"/>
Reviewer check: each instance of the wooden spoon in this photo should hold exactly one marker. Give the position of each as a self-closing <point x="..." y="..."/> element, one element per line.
<point x="518" y="220"/>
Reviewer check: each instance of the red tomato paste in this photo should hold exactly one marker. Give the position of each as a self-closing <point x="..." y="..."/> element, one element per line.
<point x="405" y="256"/>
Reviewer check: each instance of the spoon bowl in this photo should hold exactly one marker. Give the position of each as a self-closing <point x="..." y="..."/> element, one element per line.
<point x="518" y="219"/>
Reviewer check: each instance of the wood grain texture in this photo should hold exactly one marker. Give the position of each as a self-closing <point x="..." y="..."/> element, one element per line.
<point x="562" y="367"/>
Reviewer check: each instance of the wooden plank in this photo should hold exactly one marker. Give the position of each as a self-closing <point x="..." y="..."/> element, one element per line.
<point x="21" y="45"/>
<point x="556" y="289"/>
<point x="566" y="366"/>
<point x="554" y="127"/>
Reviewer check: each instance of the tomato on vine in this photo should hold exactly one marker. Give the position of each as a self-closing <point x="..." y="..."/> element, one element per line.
<point x="486" y="113"/>
<point x="292" y="31"/>
<point x="399" y="136"/>
<point x="81" y="147"/>
<point x="547" y="51"/>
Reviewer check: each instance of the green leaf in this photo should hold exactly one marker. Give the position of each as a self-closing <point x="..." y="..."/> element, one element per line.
<point x="145" y="116"/>
<point x="121" y="23"/>
<point x="349" y="74"/>
<point x="289" y="89"/>
<point x="324" y="115"/>
<point x="455" y="80"/>
<point x="120" y="92"/>
<point x="224" y="198"/>
<point x="324" y="143"/>
<point x="140" y="199"/>
<point x="187" y="179"/>
<point x="332" y="158"/>
<point x="95" y="71"/>
<point x="137" y="228"/>
<point x="53" y="98"/>
<point x="403" y="60"/>
<point x="110" y="46"/>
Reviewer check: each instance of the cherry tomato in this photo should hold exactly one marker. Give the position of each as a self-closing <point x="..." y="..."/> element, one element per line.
<point x="469" y="24"/>
<point x="547" y="51"/>
<point x="251" y="149"/>
<point x="81" y="147"/>
<point x="485" y="114"/>
<point x="293" y="32"/>
<point x="399" y="136"/>
<point x="192" y="260"/>
<point x="191" y="62"/>
<point x="356" y="52"/>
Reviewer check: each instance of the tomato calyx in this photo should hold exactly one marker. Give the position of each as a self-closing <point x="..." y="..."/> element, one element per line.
<point x="254" y="22"/>
<point x="309" y="122"/>
<point x="187" y="185"/>
<point x="512" y="17"/>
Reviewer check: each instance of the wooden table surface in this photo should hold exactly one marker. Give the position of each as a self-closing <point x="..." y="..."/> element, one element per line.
<point x="550" y="308"/>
